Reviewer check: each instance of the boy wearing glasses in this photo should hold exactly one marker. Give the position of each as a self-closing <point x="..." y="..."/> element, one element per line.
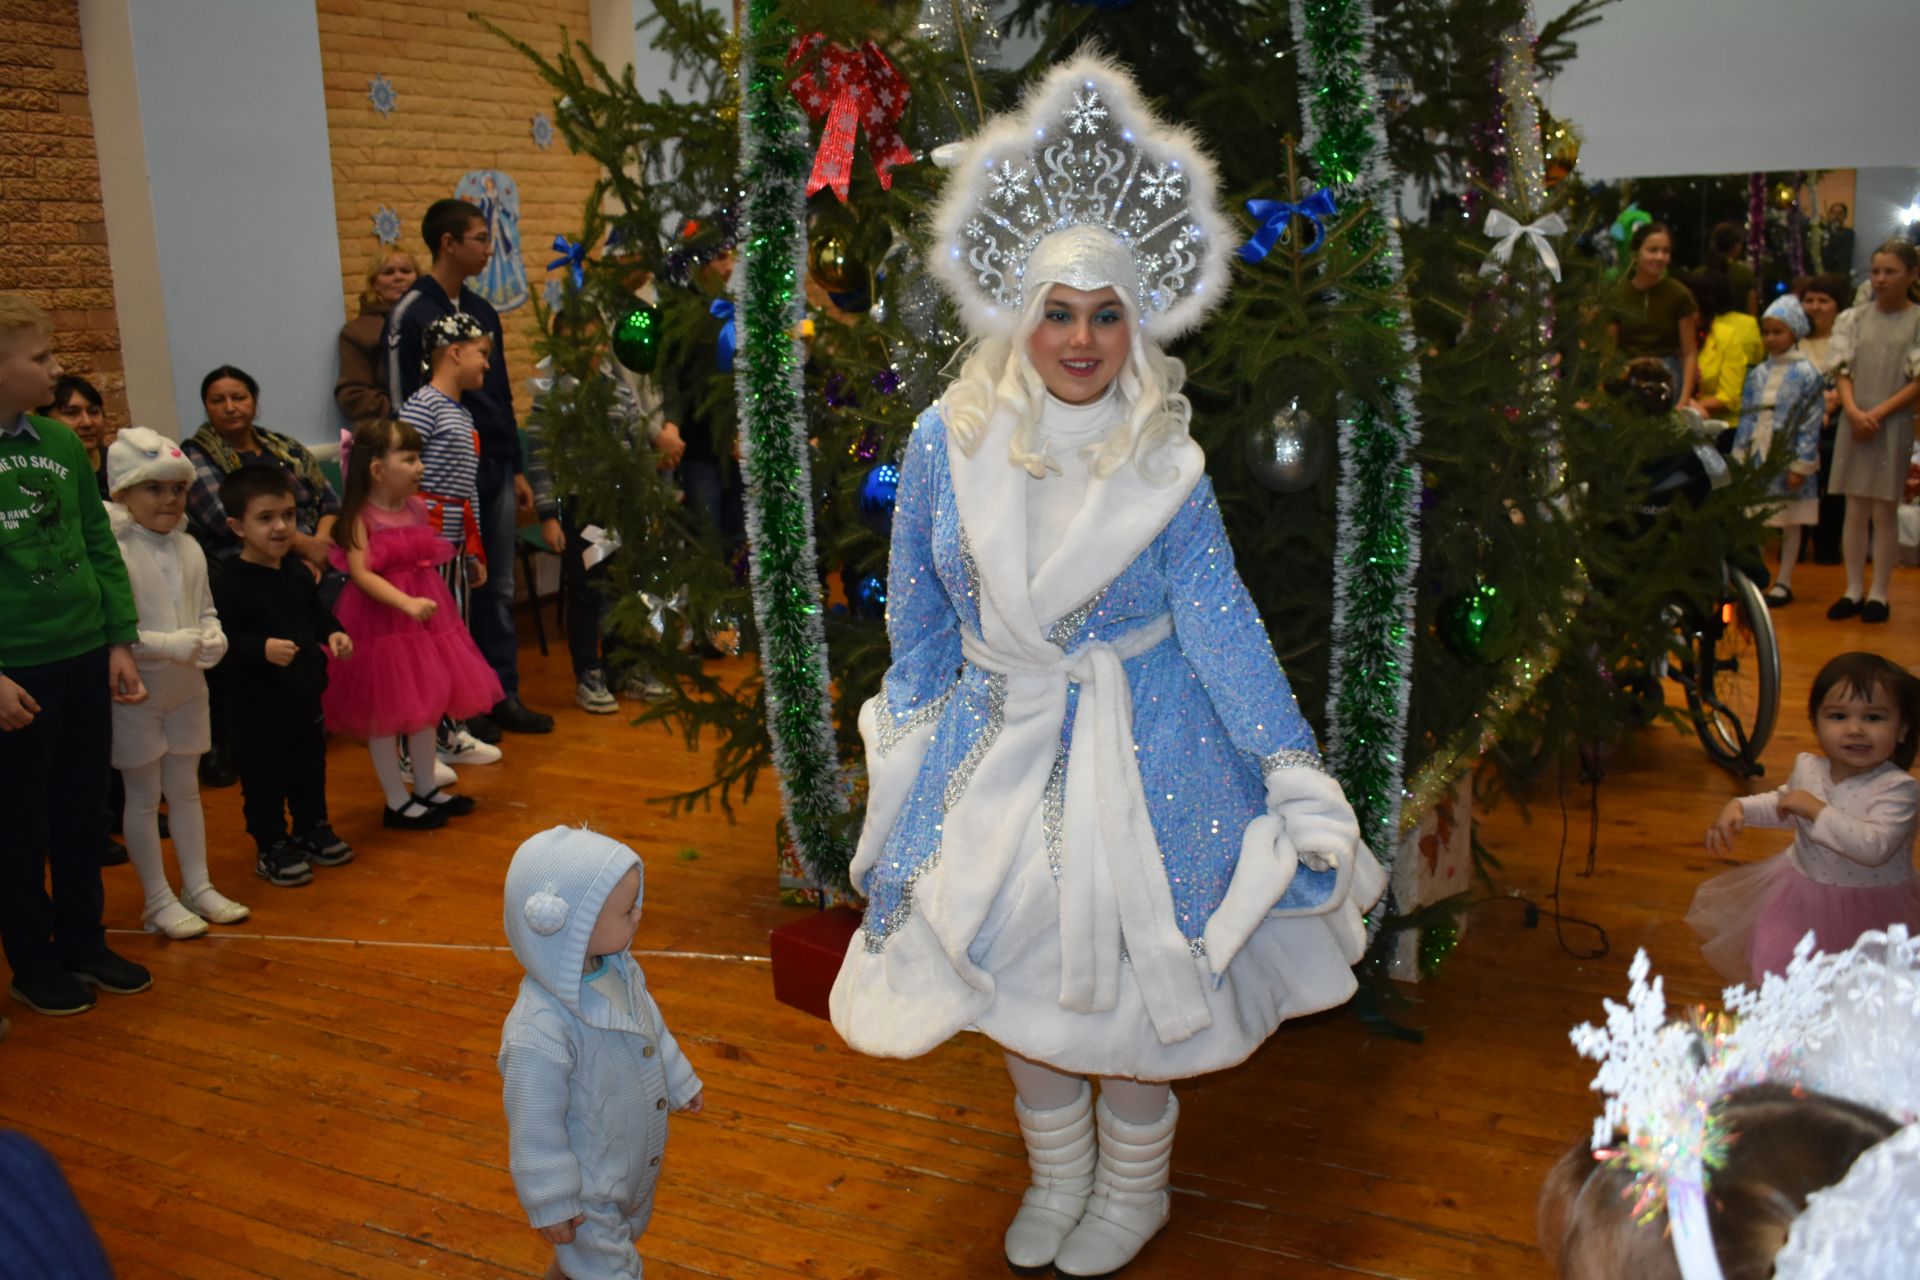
<point x="457" y="237"/>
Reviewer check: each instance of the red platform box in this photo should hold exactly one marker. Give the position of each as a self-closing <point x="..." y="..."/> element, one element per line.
<point x="806" y="957"/>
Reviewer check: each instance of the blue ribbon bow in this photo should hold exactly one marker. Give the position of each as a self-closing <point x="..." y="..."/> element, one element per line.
<point x="729" y="341"/>
<point x="571" y="256"/>
<point x="1274" y="215"/>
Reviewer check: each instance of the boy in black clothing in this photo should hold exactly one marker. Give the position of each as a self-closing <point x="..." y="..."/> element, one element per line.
<point x="279" y="635"/>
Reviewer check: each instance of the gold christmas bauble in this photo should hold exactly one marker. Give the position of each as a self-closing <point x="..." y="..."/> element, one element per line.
<point x="830" y="259"/>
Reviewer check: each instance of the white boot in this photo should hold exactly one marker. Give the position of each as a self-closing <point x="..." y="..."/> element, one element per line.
<point x="1060" y="1152"/>
<point x="1130" y="1202"/>
<point x="175" y="921"/>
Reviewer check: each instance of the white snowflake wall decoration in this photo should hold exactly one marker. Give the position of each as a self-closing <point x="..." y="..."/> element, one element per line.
<point x="542" y="130"/>
<point x="380" y="93"/>
<point x="386" y="225"/>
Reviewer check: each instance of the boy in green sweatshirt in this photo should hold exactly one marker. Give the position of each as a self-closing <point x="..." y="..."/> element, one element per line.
<point x="67" y="627"/>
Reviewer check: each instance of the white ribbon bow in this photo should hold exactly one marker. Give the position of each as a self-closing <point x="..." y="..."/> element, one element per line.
<point x="1509" y="230"/>
<point x="600" y="544"/>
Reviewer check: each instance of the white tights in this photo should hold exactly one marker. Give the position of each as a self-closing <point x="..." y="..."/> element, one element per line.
<point x="177" y="778"/>
<point x="386" y="766"/>
<point x="1044" y="1089"/>
<point x="1789" y="554"/>
<point x="1853" y="545"/>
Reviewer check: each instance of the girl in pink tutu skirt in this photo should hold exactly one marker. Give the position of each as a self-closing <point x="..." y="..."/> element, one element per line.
<point x="1852" y="810"/>
<point x="413" y="661"/>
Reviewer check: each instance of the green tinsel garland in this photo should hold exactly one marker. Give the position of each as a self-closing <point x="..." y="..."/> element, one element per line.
<point x="1377" y="547"/>
<point x="774" y="162"/>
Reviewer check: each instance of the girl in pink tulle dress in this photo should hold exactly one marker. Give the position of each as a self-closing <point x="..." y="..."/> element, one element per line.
<point x="1853" y="812"/>
<point x="413" y="660"/>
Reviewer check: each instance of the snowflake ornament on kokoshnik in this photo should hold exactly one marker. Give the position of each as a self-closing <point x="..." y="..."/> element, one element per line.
<point x="1083" y="151"/>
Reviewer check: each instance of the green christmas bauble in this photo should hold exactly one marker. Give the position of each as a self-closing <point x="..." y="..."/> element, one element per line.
<point x="830" y="259"/>
<point x="1476" y="624"/>
<point x="636" y="339"/>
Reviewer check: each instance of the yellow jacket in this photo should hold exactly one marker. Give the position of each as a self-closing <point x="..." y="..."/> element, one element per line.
<point x="1733" y="346"/>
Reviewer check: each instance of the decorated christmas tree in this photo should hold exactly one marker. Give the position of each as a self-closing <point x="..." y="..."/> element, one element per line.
<point x="1437" y="507"/>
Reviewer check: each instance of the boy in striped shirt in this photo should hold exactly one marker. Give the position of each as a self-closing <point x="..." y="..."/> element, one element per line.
<point x="456" y="351"/>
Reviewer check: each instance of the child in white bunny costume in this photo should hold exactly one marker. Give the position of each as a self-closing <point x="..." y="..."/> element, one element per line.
<point x="157" y="744"/>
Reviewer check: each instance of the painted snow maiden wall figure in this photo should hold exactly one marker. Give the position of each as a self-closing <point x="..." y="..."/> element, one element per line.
<point x="1098" y="829"/>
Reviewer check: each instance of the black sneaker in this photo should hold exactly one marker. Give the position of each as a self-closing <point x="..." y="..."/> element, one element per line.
<point x="515" y="716"/>
<point x="216" y="769"/>
<point x="283" y="863"/>
<point x="114" y="855"/>
<point x="324" y="847"/>
<point x="57" y="994"/>
<point x="448" y="803"/>
<point x="433" y="816"/>
<point x="483" y="728"/>
<point x="110" y="972"/>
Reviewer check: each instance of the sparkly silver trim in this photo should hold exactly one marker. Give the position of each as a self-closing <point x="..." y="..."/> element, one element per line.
<point x="983" y="742"/>
<point x="970" y="569"/>
<point x="892" y="730"/>
<point x="1063" y="631"/>
<point x="892" y="922"/>
<point x="1291" y="758"/>
<point x="1053" y="812"/>
<point x="876" y="941"/>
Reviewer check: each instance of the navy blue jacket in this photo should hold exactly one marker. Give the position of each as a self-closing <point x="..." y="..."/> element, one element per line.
<point x="492" y="404"/>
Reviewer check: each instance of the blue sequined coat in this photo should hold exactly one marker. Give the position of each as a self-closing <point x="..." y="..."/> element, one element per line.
<point x="959" y="937"/>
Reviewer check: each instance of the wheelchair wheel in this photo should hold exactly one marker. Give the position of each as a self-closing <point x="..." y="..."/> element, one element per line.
<point x="1735" y="693"/>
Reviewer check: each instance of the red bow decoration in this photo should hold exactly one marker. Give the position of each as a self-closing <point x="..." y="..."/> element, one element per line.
<point x="852" y="87"/>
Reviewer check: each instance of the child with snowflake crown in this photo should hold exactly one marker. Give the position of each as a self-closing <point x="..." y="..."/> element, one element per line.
<point x="1775" y="1139"/>
<point x="1084" y="732"/>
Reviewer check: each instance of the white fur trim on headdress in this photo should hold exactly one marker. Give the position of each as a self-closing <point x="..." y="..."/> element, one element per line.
<point x="1083" y="151"/>
<point x="140" y="454"/>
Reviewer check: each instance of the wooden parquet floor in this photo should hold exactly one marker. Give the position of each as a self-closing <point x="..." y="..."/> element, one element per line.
<point x="312" y="1094"/>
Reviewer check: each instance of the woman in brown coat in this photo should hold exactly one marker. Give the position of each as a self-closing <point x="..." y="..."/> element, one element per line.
<point x="361" y="391"/>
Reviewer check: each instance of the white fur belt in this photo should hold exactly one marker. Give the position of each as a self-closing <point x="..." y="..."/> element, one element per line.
<point x="1112" y="881"/>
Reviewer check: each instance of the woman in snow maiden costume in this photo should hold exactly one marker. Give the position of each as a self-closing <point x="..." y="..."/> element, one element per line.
<point x="1098" y="828"/>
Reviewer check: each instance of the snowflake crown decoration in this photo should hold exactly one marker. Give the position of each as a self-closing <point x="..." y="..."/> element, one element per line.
<point x="1841" y="1024"/>
<point x="1084" y="151"/>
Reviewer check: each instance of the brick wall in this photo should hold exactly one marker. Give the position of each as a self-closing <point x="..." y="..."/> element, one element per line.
<point x="465" y="101"/>
<point x="53" y="233"/>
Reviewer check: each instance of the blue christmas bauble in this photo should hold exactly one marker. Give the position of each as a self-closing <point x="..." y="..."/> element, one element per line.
<point x="868" y="596"/>
<point x="877" y="491"/>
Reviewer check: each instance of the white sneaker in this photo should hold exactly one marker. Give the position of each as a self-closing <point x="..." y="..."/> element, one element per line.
<point x="646" y="688"/>
<point x="591" y="693"/>
<point x="442" y="776"/>
<point x="466" y="749"/>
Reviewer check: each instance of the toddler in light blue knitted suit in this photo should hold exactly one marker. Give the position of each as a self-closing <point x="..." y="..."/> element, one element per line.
<point x="590" y="1070"/>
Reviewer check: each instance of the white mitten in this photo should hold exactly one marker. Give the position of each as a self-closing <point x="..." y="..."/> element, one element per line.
<point x="1266" y="867"/>
<point x="1318" y="818"/>
<point x="211" y="647"/>
<point x="174" y="646"/>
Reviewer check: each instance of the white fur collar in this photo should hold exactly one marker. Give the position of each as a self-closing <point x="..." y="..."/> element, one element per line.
<point x="1120" y="518"/>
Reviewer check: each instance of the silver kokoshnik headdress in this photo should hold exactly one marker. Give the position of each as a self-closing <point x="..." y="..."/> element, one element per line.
<point x="1083" y="186"/>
